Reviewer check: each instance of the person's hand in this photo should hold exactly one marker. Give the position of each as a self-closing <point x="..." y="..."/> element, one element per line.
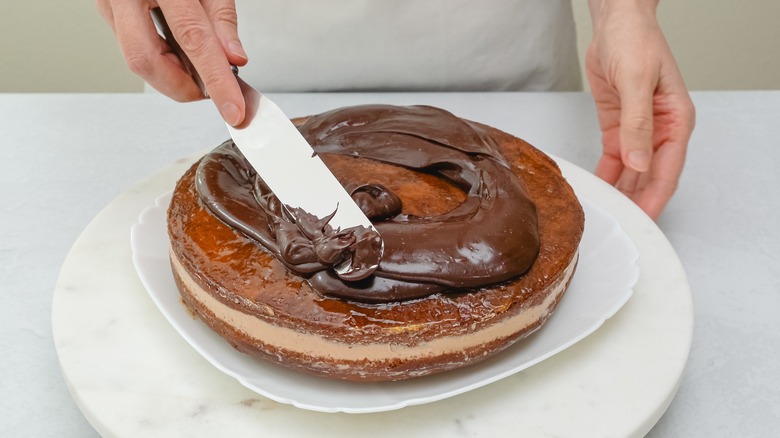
<point x="644" y="110"/>
<point x="206" y="30"/>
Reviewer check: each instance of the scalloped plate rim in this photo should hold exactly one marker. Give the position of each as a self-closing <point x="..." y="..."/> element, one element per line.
<point x="360" y="401"/>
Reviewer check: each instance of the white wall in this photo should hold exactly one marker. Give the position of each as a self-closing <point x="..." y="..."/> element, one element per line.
<point x="59" y="46"/>
<point x="64" y="46"/>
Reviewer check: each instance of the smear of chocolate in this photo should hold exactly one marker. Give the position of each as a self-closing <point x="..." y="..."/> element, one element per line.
<point x="490" y="238"/>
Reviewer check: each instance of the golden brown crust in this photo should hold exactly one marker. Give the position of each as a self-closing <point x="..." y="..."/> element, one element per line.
<point x="242" y="275"/>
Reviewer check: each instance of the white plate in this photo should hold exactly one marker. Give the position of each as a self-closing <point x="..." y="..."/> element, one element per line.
<point x="603" y="283"/>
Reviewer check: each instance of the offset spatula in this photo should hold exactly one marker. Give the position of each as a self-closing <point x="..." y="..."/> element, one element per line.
<point x="281" y="156"/>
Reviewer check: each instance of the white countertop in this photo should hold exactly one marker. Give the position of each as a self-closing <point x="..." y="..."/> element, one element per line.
<point x="65" y="157"/>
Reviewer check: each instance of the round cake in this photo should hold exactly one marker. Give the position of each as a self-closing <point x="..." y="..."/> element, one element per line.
<point x="476" y="233"/>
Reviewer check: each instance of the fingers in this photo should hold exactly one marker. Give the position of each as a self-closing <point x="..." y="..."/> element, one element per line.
<point x="610" y="166"/>
<point x="223" y="17"/>
<point x="653" y="190"/>
<point x="653" y="199"/>
<point x="647" y="192"/>
<point x="669" y="159"/>
<point x="636" y="121"/>
<point x="207" y="32"/>
<point x="146" y="53"/>
<point x="650" y="190"/>
<point x="193" y="30"/>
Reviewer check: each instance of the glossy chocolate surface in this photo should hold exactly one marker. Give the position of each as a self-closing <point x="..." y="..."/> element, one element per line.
<point x="487" y="237"/>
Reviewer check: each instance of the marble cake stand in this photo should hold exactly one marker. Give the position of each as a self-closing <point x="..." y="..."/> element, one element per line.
<point x="132" y="375"/>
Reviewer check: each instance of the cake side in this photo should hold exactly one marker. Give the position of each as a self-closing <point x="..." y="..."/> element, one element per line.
<point x="368" y="360"/>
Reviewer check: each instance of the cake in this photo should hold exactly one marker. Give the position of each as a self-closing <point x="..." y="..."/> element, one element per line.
<point x="479" y="235"/>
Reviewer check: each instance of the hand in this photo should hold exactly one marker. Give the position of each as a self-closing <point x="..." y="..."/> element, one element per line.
<point x="644" y="110"/>
<point x="206" y="30"/>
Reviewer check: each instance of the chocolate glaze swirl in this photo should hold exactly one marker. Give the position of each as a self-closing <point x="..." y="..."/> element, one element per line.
<point x="489" y="238"/>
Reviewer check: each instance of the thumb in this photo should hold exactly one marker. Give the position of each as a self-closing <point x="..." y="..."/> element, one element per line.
<point x="636" y="125"/>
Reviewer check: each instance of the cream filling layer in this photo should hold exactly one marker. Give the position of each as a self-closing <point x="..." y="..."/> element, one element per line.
<point x="316" y="346"/>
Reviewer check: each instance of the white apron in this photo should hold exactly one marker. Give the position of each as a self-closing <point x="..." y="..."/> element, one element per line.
<point x="425" y="45"/>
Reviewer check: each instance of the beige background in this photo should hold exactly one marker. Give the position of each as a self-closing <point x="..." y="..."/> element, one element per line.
<point x="64" y="46"/>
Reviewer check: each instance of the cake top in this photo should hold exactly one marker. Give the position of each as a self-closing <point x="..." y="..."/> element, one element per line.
<point x="489" y="237"/>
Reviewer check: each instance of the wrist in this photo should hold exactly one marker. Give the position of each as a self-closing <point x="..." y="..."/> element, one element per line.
<point x="601" y="10"/>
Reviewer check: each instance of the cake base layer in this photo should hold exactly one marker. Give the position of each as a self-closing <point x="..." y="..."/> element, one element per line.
<point x="333" y="358"/>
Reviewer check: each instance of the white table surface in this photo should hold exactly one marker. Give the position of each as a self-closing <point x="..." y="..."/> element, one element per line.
<point x="64" y="157"/>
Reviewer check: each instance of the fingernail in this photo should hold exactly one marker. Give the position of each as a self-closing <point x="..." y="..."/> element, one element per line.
<point x="230" y="113"/>
<point x="237" y="49"/>
<point x="639" y="160"/>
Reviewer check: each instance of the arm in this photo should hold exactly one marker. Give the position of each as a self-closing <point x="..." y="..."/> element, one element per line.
<point x="645" y="113"/>
<point x="206" y="30"/>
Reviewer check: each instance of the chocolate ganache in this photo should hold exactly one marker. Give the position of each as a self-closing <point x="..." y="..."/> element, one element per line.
<point x="489" y="238"/>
